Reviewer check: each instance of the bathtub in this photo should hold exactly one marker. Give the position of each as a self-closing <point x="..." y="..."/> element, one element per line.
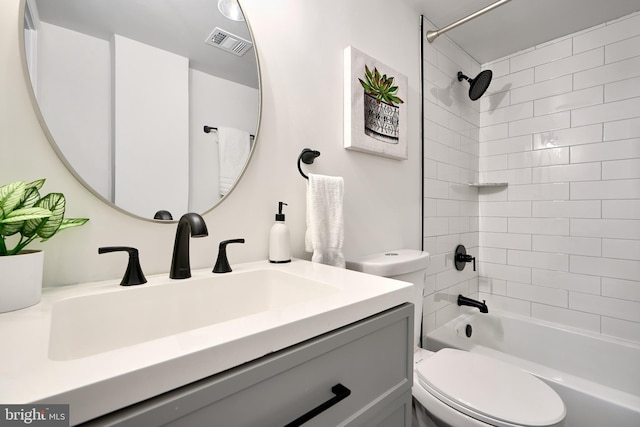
<point x="597" y="377"/>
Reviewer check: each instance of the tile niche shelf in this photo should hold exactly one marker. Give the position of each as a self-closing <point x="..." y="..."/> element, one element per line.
<point x="488" y="184"/>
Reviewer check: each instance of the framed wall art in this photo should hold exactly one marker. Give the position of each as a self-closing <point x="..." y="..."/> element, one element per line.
<point x="375" y="108"/>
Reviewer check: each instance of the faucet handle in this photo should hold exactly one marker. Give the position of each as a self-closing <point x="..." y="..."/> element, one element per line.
<point x="222" y="263"/>
<point x="134" y="274"/>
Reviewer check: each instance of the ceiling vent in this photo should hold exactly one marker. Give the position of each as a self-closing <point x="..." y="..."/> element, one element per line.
<point x="229" y="42"/>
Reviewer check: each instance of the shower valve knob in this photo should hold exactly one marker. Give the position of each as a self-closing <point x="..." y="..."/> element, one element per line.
<point x="461" y="258"/>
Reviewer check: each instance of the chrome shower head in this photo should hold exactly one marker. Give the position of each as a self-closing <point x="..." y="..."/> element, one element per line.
<point x="479" y="85"/>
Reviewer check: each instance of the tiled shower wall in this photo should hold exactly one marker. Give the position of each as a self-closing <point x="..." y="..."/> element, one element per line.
<point x="561" y="125"/>
<point x="451" y="123"/>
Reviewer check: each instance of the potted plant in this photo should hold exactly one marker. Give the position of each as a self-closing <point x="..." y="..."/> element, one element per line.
<point x="24" y="217"/>
<point x="381" y="114"/>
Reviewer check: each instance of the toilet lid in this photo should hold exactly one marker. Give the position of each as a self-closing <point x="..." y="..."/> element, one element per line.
<point x="489" y="390"/>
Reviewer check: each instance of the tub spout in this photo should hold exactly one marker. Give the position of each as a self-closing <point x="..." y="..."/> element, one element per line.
<point x="482" y="306"/>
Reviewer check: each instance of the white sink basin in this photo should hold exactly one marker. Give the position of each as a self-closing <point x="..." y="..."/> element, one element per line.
<point x="91" y="324"/>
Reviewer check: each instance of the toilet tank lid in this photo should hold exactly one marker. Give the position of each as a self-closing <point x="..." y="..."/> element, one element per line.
<point x="391" y="263"/>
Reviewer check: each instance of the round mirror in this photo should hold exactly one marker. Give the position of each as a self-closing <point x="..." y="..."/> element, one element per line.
<point x="154" y="105"/>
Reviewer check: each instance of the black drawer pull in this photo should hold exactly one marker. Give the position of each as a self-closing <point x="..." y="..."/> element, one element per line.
<point x="340" y="391"/>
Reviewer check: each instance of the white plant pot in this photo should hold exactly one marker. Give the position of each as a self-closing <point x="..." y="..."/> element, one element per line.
<point x="20" y="280"/>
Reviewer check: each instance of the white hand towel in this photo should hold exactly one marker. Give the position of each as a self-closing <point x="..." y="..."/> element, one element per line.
<point x="325" y="222"/>
<point x="234" y="146"/>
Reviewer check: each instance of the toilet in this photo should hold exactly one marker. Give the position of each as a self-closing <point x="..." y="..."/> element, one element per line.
<point x="455" y="388"/>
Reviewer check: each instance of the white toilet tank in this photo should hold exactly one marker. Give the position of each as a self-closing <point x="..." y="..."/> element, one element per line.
<point x="408" y="265"/>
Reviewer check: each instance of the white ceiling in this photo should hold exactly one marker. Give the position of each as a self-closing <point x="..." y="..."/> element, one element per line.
<point x="512" y="27"/>
<point x="518" y="24"/>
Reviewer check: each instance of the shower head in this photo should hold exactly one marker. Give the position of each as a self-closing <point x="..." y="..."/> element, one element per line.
<point x="479" y="85"/>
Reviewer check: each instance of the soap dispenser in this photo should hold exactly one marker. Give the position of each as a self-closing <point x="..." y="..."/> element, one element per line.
<point x="279" y="239"/>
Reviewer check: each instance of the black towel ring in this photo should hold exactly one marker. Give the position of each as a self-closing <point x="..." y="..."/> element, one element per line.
<point x="307" y="156"/>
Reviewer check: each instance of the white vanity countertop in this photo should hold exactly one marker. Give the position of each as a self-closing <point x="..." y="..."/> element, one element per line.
<point x="100" y="383"/>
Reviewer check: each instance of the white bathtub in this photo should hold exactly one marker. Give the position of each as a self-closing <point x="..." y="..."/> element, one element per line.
<point x="598" y="377"/>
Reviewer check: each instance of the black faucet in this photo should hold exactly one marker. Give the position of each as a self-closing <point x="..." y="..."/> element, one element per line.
<point x="189" y="224"/>
<point x="473" y="303"/>
<point x="222" y="263"/>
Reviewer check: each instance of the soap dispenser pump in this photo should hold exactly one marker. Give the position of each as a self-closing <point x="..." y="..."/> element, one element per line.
<point x="279" y="239"/>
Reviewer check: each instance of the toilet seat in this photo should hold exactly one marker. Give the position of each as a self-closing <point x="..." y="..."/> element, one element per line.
<point x="489" y="390"/>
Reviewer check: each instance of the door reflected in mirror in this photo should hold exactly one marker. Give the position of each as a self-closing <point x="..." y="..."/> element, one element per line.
<point x="126" y="89"/>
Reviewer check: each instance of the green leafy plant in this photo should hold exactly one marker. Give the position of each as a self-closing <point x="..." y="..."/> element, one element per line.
<point x="24" y="212"/>
<point x="380" y="86"/>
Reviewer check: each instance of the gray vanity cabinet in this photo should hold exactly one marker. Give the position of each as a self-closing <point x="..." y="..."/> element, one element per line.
<point x="372" y="358"/>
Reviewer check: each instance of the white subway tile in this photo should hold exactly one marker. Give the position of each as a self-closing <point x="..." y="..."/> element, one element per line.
<point x="550" y="296"/>
<point x="564" y="280"/>
<point x="493" y="286"/>
<point x="606" y="267"/>
<point x="494" y="101"/>
<point x="621" y="169"/>
<point x="506" y="240"/>
<point x="430" y="207"/>
<point x="567" y="173"/>
<point x="498" y="225"/>
<point x="512" y="305"/>
<point x="540" y="226"/>
<point x="493" y="255"/>
<point x="568" y="137"/>
<point x="499" y="131"/>
<point x="607" y="34"/>
<point x="436" y="226"/>
<point x="569" y="101"/>
<point x="548" y="157"/>
<point x="447" y="172"/>
<point x="567" y="209"/>
<point x="542" y="123"/>
<point x="451" y="277"/>
<point x="618" y="110"/>
<point x="493" y="163"/>
<point x="617" y="189"/>
<point x="436" y="189"/>
<point x="622" y="289"/>
<point x="607" y="73"/>
<point x="511" y="176"/>
<point x="492" y="194"/>
<point x="508" y="145"/>
<point x="542" y="89"/>
<point x="511" y="81"/>
<point x="446" y="207"/>
<point x="505" y="209"/>
<point x="611" y="307"/>
<point x="554" y="191"/>
<point x="621" y="329"/>
<point x="573" y="64"/>
<point x="623" y="249"/>
<point x="606" y="228"/>
<point x="568" y="245"/>
<point x="545" y="260"/>
<point x="459" y="225"/>
<point x="624" y="89"/>
<point x="613" y="150"/>
<point x="622" y="50"/>
<point x="622" y="129"/>
<point x="542" y="55"/>
<point x="621" y="209"/>
<point x="499" y="68"/>
<point x="505" y="272"/>
<point x="506" y="114"/>
<point x="576" y="319"/>
<point x="437" y="114"/>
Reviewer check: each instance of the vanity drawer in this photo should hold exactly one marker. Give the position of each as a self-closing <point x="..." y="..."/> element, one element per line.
<point x="372" y="358"/>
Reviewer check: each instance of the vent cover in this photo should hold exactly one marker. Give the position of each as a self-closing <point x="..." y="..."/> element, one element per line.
<point x="229" y="42"/>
